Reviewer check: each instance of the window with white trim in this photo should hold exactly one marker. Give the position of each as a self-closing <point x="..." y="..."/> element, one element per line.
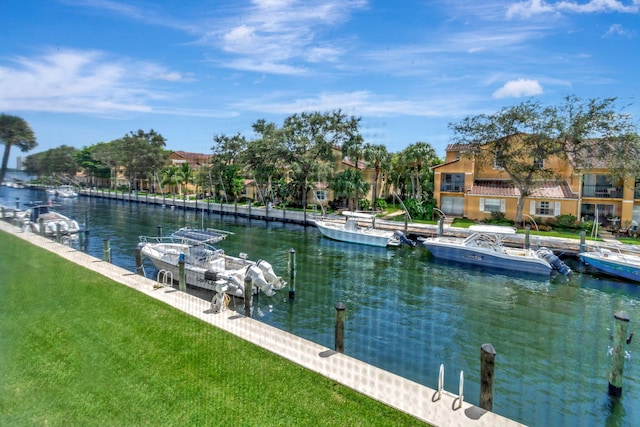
<point x="544" y="208"/>
<point x="492" y="205"/>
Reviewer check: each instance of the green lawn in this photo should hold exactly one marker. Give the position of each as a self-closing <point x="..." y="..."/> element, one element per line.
<point x="77" y="349"/>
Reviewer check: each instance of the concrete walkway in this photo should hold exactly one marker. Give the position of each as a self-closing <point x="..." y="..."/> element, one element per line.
<point x="393" y="390"/>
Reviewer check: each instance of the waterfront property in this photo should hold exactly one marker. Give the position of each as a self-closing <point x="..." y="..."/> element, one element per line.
<point x="466" y="187"/>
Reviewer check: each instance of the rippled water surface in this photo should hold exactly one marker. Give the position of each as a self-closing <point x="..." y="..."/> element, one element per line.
<point x="408" y="314"/>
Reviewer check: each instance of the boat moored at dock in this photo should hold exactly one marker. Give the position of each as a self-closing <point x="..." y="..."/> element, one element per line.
<point x="350" y="231"/>
<point x="613" y="260"/>
<point x="206" y="266"/>
<point x="485" y="248"/>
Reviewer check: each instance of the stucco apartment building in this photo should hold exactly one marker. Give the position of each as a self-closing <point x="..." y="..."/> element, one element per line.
<point x="466" y="187"/>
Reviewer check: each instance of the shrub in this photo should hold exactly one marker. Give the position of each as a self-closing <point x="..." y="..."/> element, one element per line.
<point x="381" y="204"/>
<point x="364" y="204"/>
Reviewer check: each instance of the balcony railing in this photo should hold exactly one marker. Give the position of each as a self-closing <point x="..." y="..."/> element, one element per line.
<point x="452" y="188"/>
<point x="601" y="191"/>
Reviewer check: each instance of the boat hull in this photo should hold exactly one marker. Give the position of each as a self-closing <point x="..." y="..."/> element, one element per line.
<point x="488" y="258"/>
<point x="371" y="237"/>
<point x="612" y="266"/>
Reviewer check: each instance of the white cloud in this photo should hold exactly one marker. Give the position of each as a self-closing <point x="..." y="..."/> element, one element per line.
<point x="530" y="8"/>
<point x="80" y="81"/>
<point x="519" y="88"/>
<point x="619" y="30"/>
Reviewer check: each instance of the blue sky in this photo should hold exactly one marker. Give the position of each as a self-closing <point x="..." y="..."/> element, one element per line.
<point x="88" y="71"/>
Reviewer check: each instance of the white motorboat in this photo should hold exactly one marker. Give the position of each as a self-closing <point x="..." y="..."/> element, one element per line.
<point x="206" y="266"/>
<point x="613" y="260"/>
<point x="52" y="221"/>
<point x="485" y="247"/>
<point x="352" y="232"/>
<point x="66" y="191"/>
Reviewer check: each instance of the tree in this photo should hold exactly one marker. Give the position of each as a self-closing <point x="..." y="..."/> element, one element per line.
<point x="419" y="156"/>
<point x="94" y="168"/>
<point x="266" y="155"/>
<point x="518" y="139"/>
<point x="378" y="156"/>
<point x="109" y="154"/>
<point x="309" y="139"/>
<point x="14" y="131"/>
<point x="349" y="183"/>
<point x="142" y="154"/>
<point x="225" y="163"/>
<point x="173" y="176"/>
<point x="186" y="172"/>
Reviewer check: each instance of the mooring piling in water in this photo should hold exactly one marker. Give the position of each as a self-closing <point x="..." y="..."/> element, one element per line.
<point x="292" y="274"/>
<point x="616" y="364"/>
<point x="583" y="240"/>
<point x="339" y="332"/>
<point x="182" y="275"/>
<point x="159" y="230"/>
<point x="527" y="232"/>
<point x="248" y="284"/>
<point x="487" y="365"/>
<point x="106" y="250"/>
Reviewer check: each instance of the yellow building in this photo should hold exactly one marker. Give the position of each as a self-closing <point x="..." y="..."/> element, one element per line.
<point x="467" y="187"/>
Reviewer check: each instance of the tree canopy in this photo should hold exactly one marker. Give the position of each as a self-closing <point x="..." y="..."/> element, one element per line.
<point x="14" y="131"/>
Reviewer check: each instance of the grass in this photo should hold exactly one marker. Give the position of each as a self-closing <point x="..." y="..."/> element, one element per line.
<point x="78" y="349"/>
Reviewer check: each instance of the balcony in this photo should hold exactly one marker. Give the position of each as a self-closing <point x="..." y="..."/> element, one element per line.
<point x="452" y="188"/>
<point x="602" y="191"/>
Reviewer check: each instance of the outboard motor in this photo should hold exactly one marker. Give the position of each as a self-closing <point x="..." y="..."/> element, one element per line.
<point x="270" y="275"/>
<point x="554" y="261"/>
<point x="403" y="239"/>
<point x="259" y="281"/>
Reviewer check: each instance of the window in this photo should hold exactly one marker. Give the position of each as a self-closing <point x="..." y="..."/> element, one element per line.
<point x="492" y="205"/>
<point x="498" y="161"/>
<point x="321" y="195"/>
<point x="544" y="208"/>
<point x="453" y="182"/>
<point x="538" y="163"/>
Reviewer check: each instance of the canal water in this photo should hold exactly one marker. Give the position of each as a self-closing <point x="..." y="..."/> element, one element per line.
<point x="407" y="313"/>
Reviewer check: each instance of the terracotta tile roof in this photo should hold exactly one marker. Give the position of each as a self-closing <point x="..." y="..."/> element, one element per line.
<point x="199" y="157"/>
<point x="544" y="190"/>
<point x="445" y="164"/>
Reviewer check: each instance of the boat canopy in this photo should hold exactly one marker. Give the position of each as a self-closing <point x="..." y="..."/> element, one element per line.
<point x="209" y="235"/>
<point x="358" y="215"/>
<point x="497" y="229"/>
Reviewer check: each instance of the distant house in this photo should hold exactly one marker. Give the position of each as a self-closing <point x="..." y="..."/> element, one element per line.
<point x="465" y="187"/>
<point x="195" y="160"/>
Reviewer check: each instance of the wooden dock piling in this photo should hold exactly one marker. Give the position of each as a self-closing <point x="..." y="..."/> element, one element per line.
<point x="106" y="250"/>
<point x="487" y="365"/>
<point x="248" y="284"/>
<point x="182" y="275"/>
<point x="292" y="274"/>
<point x="616" y="365"/>
<point x="339" y="332"/>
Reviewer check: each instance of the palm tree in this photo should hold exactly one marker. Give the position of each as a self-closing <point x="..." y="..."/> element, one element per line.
<point x="418" y="155"/>
<point x="186" y="172"/>
<point x="378" y="156"/>
<point x="14" y="131"/>
<point x="172" y="175"/>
